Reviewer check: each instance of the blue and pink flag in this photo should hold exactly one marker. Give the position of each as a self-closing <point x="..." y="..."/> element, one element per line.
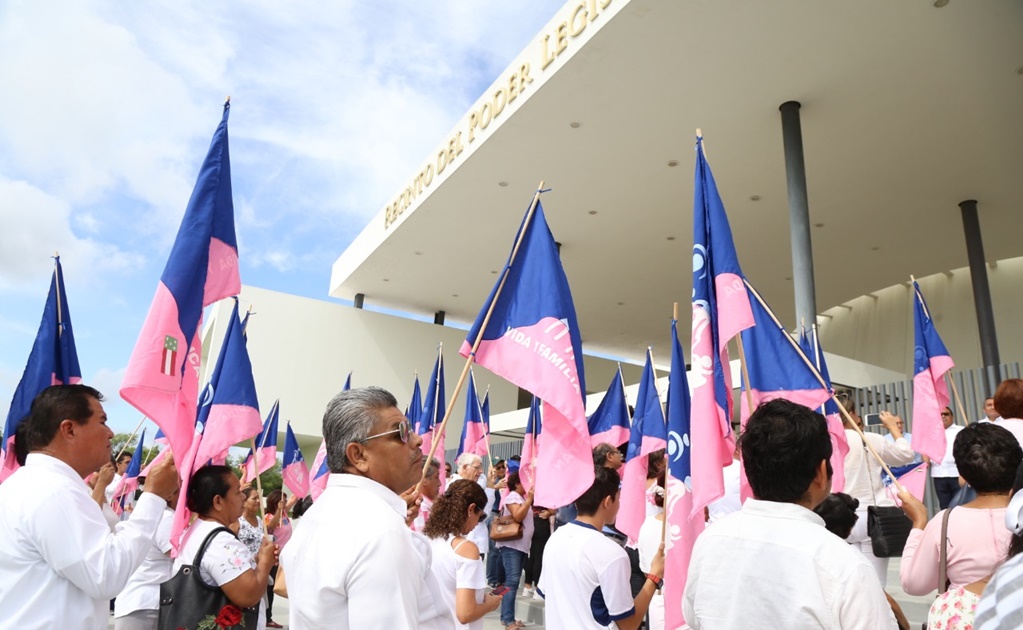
<point x="415" y="406"/>
<point x="265" y="455"/>
<point x="531" y="440"/>
<point x="474" y="433"/>
<point x="228" y="413"/>
<point x="485" y="411"/>
<point x="678" y="505"/>
<point x="649" y="434"/>
<point x="930" y="393"/>
<point x="348" y="383"/>
<point x="129" y="482"/>
<point x="721" y="310"/>
<point x="162" y="378"/>
<point x="294" y="471"/>
<point x="320" y="472"/>
<point x="532" y="340"/>
<point x="433" y="411"/>
<point x="609" y="424"/>
<point x="53" y="360"/>
<point x="811" y="347"/>
<point x="777" y="368"/>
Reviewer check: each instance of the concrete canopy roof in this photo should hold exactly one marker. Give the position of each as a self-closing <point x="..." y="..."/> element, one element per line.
<point x="907" y="109"/>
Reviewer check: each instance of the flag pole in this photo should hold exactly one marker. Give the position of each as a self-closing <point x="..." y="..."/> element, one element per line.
<point x="745" y="373"/>
<point x="124" y="446"/>
<point x="259" y="484"/>
<point x="486" y="428"/>
<point x="959" y="401"/>
<point x="60" y="310"/>
<point x="486" y="320"/>
<point x="841" y="407"/>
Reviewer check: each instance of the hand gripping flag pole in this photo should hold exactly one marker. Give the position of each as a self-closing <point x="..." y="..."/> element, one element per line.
<point x="479" y="338"/>
<point x="809" y="364"/>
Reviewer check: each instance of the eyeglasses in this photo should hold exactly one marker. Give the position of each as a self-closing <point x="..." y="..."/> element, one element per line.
<point x="946" y="413"/>
<point x="403" y="432"/>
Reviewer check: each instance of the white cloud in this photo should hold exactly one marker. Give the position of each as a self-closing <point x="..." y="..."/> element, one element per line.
<point x="37" y="224"/>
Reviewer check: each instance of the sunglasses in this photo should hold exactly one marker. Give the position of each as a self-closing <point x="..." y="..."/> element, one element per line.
<point x="403" y="431"/>
<point x="945" y="413"/>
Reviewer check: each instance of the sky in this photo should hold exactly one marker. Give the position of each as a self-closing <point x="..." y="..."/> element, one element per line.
<point x="107" y="110"/>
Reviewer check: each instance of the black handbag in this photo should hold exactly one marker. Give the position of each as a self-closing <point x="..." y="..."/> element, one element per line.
<point x="186" y="602"/>
<point x="888" y="528"/>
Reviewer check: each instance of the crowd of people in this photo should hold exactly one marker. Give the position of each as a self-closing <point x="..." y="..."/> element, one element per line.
<point x="389" y="546"/>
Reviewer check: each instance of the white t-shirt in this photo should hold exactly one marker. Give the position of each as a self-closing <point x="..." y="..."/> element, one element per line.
<point x="142" y="592"/>
<point x="585" y="579"/>
<point x="453" y="572"/>
<point x="947" y="467"/>
<point x="650" y="536"/>
<point x="1013" y="425"/>
<point x="225" y="559"/>
<point x="731" y="501"/>
<point x="522" y="544"/>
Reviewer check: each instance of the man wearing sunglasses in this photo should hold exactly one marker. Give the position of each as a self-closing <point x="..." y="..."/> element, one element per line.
<point x="354" y="563"/>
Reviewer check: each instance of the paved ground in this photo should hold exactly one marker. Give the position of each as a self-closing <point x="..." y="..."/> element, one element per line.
<point x="531" y="611"/>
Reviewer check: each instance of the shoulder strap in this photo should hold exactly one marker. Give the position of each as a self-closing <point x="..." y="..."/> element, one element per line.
<point x="205" y="543"/>
<point x="464" y="540"/>
<point x="943" y="581"/>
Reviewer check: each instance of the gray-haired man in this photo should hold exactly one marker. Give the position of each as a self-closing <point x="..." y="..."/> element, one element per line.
<point x="354" y="563"/>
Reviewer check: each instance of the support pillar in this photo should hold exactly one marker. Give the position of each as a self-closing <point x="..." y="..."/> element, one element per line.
<point x="438" y="318"/>
<point x="359" y="299"/>
<point x="799" y="214"/>
<point x="981" y="295"/>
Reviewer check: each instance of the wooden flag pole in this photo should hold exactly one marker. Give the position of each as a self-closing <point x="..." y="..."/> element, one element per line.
<point x="820" y="379"/>
<point x="959" y="401"/>
<point x="486" y="320"/>
<point x="259" y="483"/>
<point x="124" y="446"/>
<point x="745" y="374"/>
<point x="486" y="429"/>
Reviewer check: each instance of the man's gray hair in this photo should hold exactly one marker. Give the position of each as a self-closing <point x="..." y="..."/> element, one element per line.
<point x="350" y="417"/>
<point x="468" y="459"/>
<point x="433" y="468"/>
<point x="601" y="452"/>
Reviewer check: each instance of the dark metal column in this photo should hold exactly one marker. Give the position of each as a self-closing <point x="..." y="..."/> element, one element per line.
<point x="359" y="299"/>
<point x="799" y="214"/>
<point x="438" y="318"/>
<point x="981" y="295"/>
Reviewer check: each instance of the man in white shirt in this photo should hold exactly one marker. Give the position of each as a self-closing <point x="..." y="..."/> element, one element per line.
<point x="946" y="474"/>
<point x="585" y="579"/>
<point x="60" y="563"/>
<point x="773" y="564"/>
<point x="354" y="563"/>
<point x="990" y="413"/>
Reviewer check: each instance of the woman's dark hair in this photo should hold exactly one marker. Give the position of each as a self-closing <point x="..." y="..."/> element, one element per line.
<point x="273" y="500"/>
<point x="782" y="449"/>
<point x="655" y="463"/>
<point x="302" y="507"/>
<point x="447" y="517"/>
<point x="51" y="407"/>
<point x="987" y="456"/>
<point x="605" y="484"/>
<point x="1009" y="398"/>
<point x="839" y="513"/>
<point x="659" y="496"/>
<point x="207" y="483"/>
<point x="248" y="492"/>
<point x="514" y="481"/>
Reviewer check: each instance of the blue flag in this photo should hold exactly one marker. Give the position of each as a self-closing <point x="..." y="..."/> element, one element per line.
<point x="680" y="454"/>
<point x="266" y="447"/>
<point x="348" y="383"/>
<point x="474" y="436"/>
<point x="721" y="309"/>
<point x="52" y="361"/>
<point x="293" y="470"/>
<point x="130" y="481"/>
<point x="433" y="408"/>
<point x="610" y="422"/>
<point x="415" y="406"/>
<point x="649" y="434"/>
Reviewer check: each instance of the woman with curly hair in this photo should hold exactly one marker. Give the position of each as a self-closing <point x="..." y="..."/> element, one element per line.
<point x="456" y="560"/>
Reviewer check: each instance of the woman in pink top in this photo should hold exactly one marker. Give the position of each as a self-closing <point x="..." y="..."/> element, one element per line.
<point x="987" y="457"/>
<point x="279" y="526"/>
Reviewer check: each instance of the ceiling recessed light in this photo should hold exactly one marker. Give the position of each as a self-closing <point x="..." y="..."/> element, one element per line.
<point x="419" y="253"/>
<point x="454" y="295"/>
<point x="387" y="279"/>
<point x="940" y="3"/>
<point x="593" y="212"/>
<point x="671" y="238"/>
<point x="875" y="248"/>
<point x="1019" y="70"/>
<point x="754" y="197"/>
<point x="672" y="163"/>
<point x="788" y="277"/>
<point x="502" y="184"/>
<point x="818" y="225"/>
<point x="495" y="271"/>
<point x="575" y="125"/>
<point x="621" y="304"/>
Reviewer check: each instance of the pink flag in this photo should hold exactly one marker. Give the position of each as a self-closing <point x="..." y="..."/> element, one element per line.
<point x="930" y="394"/>
<point x="721" y="310"/>
<point x="914" y="480"/>
<point x="294" y="471"/>
<point x="320" y="472"/>
<point x="530" y="445"/>
<point x="527" y="332"/>
<point x="162" y="378"/>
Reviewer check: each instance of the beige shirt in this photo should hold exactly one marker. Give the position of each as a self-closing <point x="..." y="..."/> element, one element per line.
<point x="863" y="473"/>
